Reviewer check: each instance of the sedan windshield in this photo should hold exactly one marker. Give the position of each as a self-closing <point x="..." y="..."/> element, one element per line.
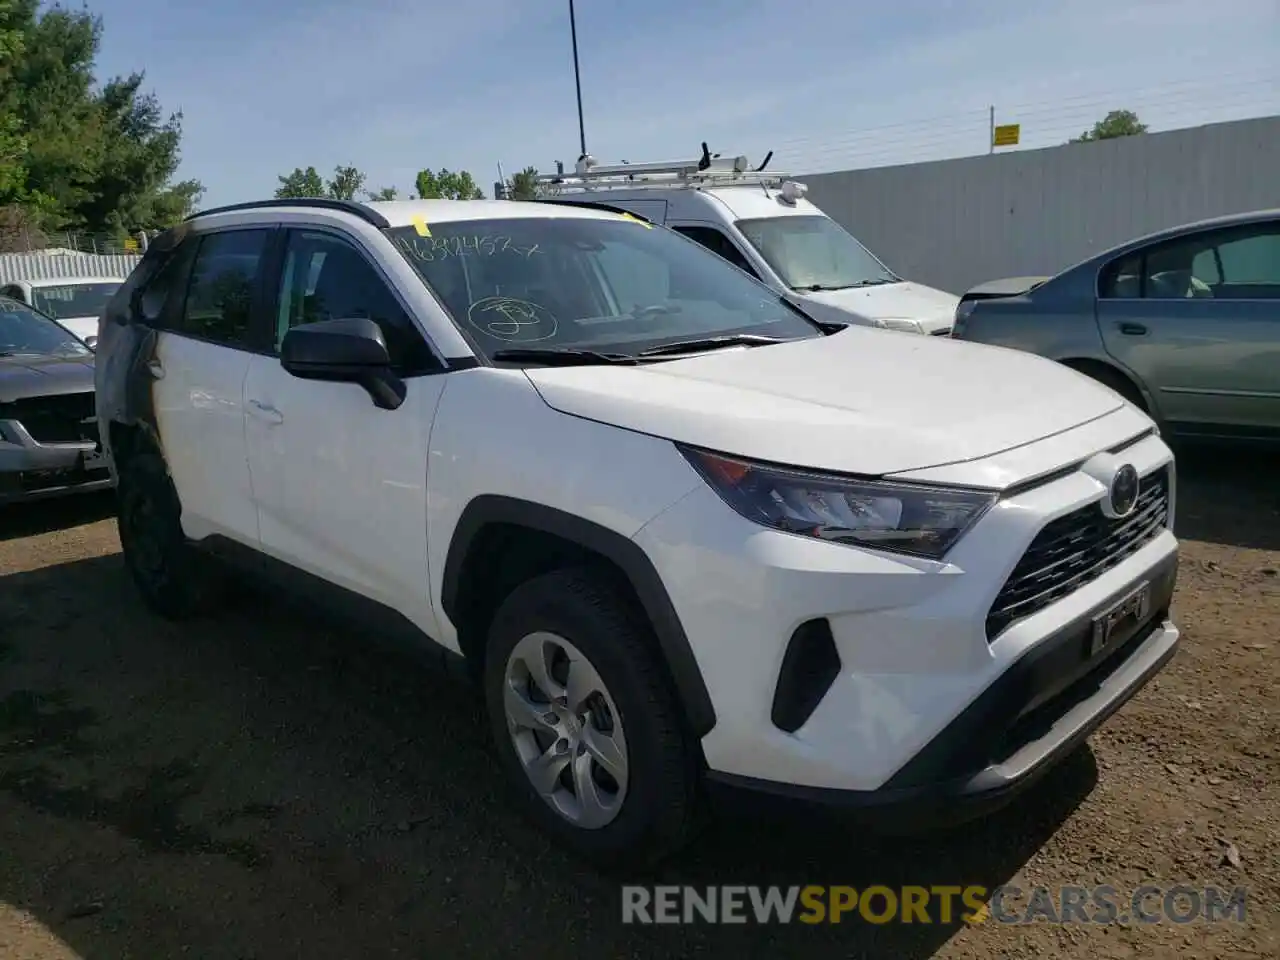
<point x="23" y="332"/>
<point x="73" y="299"/>
<point x="814" y="253"/>
<point x="611" y="286"/>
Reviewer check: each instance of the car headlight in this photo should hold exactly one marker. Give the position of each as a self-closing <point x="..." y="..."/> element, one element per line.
<point x="915" y="519"/>
<point x="899" y="323"/>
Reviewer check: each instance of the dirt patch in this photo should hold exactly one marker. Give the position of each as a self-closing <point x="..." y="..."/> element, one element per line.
<point x="266" y="786"/>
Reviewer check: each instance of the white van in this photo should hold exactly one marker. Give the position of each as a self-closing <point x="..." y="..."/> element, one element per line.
<point x="75" y="302"/>
<point x="762" y="224"/>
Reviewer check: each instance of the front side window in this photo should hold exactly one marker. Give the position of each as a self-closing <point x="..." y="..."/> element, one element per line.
<point x="326" y="278"/>
<point x="812" y="253"/>
<point x="23" y="332"/>
<point x="608" y="285"/>
<point x="74" y="299"/>
<point x="718" y="243"/>
<point x="219" y="302"/>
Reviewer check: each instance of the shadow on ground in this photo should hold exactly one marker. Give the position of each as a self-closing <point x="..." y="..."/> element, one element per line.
<point x="267" y="786"/>
<point x="1229" y="495"/>
<point x="19" y="520"/>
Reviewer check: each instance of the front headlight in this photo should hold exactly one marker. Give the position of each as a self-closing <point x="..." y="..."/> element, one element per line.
<point x="899" y="323"/>
<point x="914" y="519"/>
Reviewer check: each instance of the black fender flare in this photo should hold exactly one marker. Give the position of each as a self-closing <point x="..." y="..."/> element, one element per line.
<point x="626" y="554"/>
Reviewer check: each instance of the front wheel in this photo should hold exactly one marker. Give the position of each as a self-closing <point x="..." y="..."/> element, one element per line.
<point x="586" y="727"/>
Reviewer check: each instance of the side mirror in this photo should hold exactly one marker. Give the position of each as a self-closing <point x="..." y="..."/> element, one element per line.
<point x="91" y="342"/>
<point x="344" y="351"/>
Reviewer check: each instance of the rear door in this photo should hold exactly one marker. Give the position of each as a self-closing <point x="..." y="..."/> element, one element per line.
<point x="210" y="331"/>
<point x="1197" y="319"/>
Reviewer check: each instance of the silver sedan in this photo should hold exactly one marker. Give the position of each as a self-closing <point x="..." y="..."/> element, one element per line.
<point x="1184" y="323"/>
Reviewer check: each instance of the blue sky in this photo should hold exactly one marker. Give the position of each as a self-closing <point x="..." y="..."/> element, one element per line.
<point x="393" y="86"/>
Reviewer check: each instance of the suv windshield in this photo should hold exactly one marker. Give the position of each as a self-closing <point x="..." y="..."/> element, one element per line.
<point x="23" y="332"/>
<point x="575" y="283"/>
<point x="73" y="299"/>
<point x="814" y="253"/>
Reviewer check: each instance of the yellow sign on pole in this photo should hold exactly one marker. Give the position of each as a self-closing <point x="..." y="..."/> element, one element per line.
<point x="1006" y="135"/>
<point x="130" y="244"/>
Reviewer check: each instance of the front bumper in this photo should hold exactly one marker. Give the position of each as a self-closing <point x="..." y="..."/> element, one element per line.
<point x="31" y="470"/>
<point x="1009" y="738"/>
<point x="921" y="702"/>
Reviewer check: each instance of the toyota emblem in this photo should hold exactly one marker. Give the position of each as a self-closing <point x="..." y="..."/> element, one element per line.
<point x="1122" y="496"/>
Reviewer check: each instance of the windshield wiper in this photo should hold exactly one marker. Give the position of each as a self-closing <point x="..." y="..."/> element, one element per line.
<point x="820" y="287"/>
<point x="710" y="343"/>
<point x="565" y="356"/>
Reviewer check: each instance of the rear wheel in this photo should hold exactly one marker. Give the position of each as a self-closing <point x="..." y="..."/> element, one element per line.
<point x="174" y="579"/>
<point x="586" y="727"/>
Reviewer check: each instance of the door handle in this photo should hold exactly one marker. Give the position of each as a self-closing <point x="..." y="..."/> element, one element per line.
<point x="265" y="412"/>
<point x="156" y="369"/>
<point x="1133" y="329"/>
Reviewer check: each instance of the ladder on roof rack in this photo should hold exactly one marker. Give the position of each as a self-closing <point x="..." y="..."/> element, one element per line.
<point x="706" y="170"/>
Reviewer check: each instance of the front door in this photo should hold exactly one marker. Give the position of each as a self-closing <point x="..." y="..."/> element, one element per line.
<point x="1198" y="320"/>
<point x="201" y="360"/>
<point x="341" y="483"/>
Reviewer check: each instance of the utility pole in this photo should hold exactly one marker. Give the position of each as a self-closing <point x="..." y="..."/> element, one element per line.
<point x="577" y="79"/>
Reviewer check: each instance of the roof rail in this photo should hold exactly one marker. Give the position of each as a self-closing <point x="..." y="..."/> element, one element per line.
<point x="594" y="205"/>
<point x="353" y="207"/>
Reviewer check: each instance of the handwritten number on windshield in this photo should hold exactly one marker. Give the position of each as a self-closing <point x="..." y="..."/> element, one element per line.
<point x="431" y="249"/>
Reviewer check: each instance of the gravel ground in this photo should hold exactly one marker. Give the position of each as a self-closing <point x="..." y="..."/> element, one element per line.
<point x="265" y="786"/>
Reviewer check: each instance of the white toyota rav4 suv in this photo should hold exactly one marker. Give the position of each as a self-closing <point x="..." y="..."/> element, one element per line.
<point x="682" y="536"/>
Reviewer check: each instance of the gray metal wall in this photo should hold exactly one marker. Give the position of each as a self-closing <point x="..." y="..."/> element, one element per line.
<point x="955" y="223"/>
<point x="39" y="266"/>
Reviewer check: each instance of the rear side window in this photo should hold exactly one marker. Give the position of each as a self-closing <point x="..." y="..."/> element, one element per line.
<point x="220" y="293"/>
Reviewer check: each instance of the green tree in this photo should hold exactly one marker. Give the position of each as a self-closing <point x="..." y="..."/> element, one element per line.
<point x="524" y="185"/>
<point x="74" y="155"/>
<point x="384" y="193"/>
<point x="140" y="153"/>
<point x="447" y="185"/>
<point x="1117" y="123"/>
<point x="300" y="183"/>
<point x="346" y="183"/>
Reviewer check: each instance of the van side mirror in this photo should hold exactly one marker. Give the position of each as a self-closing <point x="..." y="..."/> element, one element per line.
<point x="348" y="350"/>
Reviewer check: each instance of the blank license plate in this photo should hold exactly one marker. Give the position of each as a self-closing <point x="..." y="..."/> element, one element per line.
<point x="1120" y="619"/>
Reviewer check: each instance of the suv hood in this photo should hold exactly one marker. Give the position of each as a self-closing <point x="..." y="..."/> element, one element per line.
<point x="23" y="377"/>
<point x="933" y="309"/>
<point x="862" y="401"/>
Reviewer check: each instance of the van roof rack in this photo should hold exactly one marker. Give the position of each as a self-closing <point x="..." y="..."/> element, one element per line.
<point x="707" y="170"/>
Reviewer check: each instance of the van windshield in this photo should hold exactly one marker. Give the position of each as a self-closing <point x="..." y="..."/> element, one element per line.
<point x="73" y="299"/>
<point x="577" y="283"/>
<point x="814" y="253"/>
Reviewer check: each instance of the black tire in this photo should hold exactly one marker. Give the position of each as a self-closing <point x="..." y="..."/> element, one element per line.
<point x="661" y="808"/>
<point x="175" y="580"/>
